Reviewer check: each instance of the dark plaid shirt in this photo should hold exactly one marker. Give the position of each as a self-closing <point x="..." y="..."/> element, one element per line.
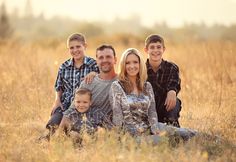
<point x="69" y="78"/>
<point x="165" y="79"/>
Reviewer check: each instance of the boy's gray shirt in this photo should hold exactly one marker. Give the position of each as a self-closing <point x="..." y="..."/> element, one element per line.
<point x="100" y="95"/>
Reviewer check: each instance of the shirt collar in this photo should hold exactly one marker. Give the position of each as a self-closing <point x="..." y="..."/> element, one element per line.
<point x="149" y="67"/>
<point x="71" y="62"/>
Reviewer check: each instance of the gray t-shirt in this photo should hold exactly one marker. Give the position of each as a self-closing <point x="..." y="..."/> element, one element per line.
<point x="100" y="95"/>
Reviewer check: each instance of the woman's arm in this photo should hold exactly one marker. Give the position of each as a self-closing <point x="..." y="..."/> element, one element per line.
<point x="115" y="102"/>
<point x="152" y="113"/>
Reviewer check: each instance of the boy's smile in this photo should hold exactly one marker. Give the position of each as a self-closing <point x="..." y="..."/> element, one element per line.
<point x="155" y="51"/>
<point x="77" y="49"/>
<point x="82" y="102"/>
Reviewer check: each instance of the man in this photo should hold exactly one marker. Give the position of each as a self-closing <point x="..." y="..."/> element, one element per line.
<point x="100" y="85"/>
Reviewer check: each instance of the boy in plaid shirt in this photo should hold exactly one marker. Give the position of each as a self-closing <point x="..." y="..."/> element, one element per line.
<point x="164" y="78"/>
<point x="69" y="77"/>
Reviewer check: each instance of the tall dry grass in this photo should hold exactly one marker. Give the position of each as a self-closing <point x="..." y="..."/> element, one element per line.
<point x="28" y="71"/>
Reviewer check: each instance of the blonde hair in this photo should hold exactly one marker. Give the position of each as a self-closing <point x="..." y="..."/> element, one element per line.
<point x="83" y="91"/>
<point x="142" y="75"/>
<point x="76" y="37"/>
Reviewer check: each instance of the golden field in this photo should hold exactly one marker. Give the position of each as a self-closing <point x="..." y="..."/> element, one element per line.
<point x="28" y="72"/>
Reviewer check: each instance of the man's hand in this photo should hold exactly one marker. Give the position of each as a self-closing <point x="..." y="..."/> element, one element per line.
<point x="170" y="100"/>
<point x="89" y="77"/>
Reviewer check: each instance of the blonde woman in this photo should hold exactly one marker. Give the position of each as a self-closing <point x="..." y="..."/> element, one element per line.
<point x="132" y="97"/>
<point x="132" y="100"/>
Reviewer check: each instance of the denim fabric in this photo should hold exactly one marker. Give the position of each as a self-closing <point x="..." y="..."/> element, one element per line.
<point x="55" y="119"/>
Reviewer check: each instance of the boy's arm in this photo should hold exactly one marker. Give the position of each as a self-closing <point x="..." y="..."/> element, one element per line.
<point x="174" y="79"/>
<point x="59" y="90"/>
<point x="170" y="101"/>
<point x="65" y="125"/>
<point x="173" y="88"/>
<point x="57" y="102"/>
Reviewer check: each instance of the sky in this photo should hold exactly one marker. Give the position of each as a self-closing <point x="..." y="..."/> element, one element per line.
<point x="174" y="12"/>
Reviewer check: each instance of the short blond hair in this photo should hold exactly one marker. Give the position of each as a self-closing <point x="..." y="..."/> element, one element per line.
<point x="76" y="37"/>
<point x="142" y="75"/>
<point x="83" y="91"/>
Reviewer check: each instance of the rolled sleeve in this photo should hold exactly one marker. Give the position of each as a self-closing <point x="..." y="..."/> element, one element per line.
<point x="59" y="84"/>
<point x="174" y="80"/>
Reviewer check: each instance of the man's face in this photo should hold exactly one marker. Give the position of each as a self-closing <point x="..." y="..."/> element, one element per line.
<point x="77" y="49"/>
<point x="155" y="51"/>
<point x="105" y="60"/>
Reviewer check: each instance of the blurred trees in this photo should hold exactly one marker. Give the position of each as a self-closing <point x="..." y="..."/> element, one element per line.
<point x="5" y="27"/>
<point x="121" y="31"/>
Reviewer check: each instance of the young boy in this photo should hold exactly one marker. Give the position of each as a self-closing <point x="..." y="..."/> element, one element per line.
<point x="80" y="117"/>
<point x="164" y="77"/>
<point x="69" y="77"/>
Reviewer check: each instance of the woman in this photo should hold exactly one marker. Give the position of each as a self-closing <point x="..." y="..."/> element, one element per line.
<point x="132" y="99"/>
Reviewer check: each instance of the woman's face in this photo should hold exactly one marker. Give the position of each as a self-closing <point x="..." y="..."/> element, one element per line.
<point x="132" y="65"/>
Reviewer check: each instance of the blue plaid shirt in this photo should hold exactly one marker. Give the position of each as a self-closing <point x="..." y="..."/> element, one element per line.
<point x="69" y="78"/>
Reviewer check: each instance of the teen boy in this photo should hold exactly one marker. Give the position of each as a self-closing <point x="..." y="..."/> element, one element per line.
<point x="164" y="78"/>
<point x="70" y="75"/>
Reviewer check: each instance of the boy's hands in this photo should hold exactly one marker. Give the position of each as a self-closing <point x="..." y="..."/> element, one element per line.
<point x="170" y="100"/>
<point x="140" y="130"/>
<point x="89" y="77"/>
<point x="157" y="132"/>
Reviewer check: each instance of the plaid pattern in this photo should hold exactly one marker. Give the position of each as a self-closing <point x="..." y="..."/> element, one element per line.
<point x="165" y="79"/>
<point x="69" y="78"/>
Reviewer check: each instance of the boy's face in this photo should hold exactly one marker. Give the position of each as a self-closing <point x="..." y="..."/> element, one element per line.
<point x="105" y="60"/>
<point x="77" y="49"/>
<point x="82" y="102"/>
<point x="155" y="51"/>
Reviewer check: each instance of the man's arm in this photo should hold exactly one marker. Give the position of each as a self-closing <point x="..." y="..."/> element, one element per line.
<point x="89" y="77"/>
